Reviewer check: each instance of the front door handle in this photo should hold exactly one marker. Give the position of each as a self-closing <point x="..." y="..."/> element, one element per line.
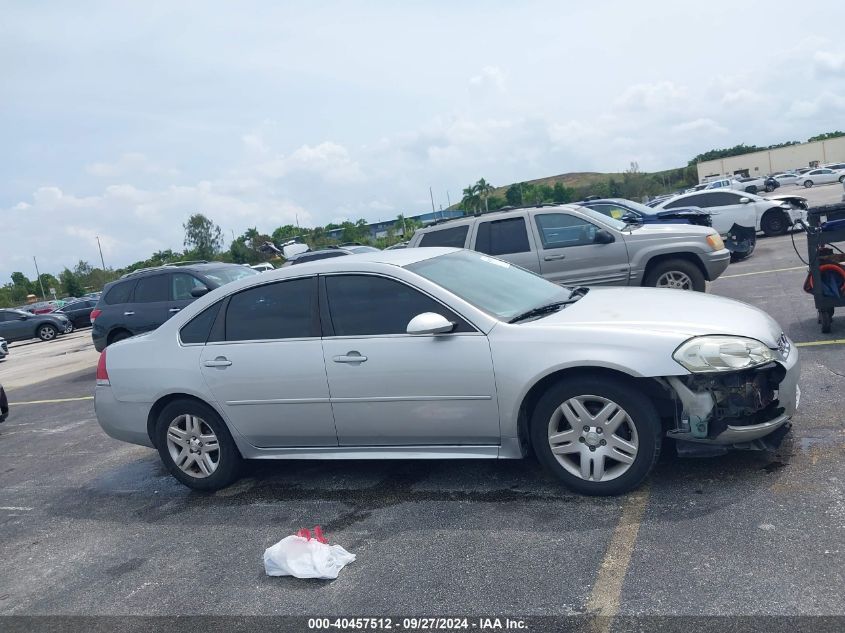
<point x="220" y="361"/>
<point x="554" y="258"/>
<point x="350" y="357"/>
<point x="128" y="313"/>
<point x="174" y="309"/>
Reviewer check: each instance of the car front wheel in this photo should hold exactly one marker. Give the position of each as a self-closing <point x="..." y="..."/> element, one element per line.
<point x="47" y="332"/>
<point x="196" y="446"/>
<point x="599" y="436"/>
<point x="808" y="183"/>
<point x="675" y="273"/>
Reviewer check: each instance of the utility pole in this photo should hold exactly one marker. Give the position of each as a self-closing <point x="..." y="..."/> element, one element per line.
<point x="448" y="200"/>
<point x="100" y="248"/>
<point x="41" y="283"/>
<point x="433" y="212"/>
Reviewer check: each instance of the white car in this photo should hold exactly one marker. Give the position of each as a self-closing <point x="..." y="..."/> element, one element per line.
<point x="821" y="176"/>
<point x="734" y="213"/>
<point x="787" y="178"/>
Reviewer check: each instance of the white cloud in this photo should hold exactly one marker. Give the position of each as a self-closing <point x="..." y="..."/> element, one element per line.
<point x="825" y="104"/>
<point x="826" y="62"/>
<point x="490" y="76"/>
<point x="743" y="98"/>
<point x="661" y="95"/>
<point x="129" y="164"/>
<point x="702" y="127"/>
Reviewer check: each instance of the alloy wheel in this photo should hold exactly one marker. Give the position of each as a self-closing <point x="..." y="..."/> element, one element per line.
<point x="593" y="438"/>
<point x="674" y="279"/>
<point x="47" y="333"/>
<point x="193" y="446"/>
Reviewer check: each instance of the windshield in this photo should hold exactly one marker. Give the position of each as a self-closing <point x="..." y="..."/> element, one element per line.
<point x="601" y="217"/>
<point x="497" y="287"/>
<point x="229" y="274"/>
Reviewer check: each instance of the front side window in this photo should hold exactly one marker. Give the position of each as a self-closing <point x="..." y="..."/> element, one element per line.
<point x="280" y="310"/>
<point x="502" y="237"/>
<point x="455" y="237"/>
<point x="152" y="289"/>
<point x="181" y="285"/>
<point x="367" y="305"/>
<point x="561" y="230"/>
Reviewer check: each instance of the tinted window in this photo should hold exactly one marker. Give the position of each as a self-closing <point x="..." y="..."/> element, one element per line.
<point x="273" y="311"/>
<point x="610" y="210"/>
<point x="559" y="230"/>
<point x="6" y="316"/>
<point x="363" y="305"/>
<point x="228" y="274"/>
<point x="198" y="329"/>
<point x="152" y="289"/>
<point x="119" y="293"/>
<point x="181" y="285"/>
<point x="500" y="237"/>
<point x="455" y="237"/>
<point x="311" y="258"/>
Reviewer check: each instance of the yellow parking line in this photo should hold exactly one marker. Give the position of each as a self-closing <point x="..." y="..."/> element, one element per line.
<point x="835" y="341"/>
<point x="604" y="598"/>
<point x="11" y="404"/>
<point x="763" y="272"/>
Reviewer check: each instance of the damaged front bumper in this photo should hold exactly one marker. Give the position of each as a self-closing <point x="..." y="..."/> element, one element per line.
<point x="745" y="409"/>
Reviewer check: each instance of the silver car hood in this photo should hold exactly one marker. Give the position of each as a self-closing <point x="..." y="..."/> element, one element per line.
<point x="675" y="312"/>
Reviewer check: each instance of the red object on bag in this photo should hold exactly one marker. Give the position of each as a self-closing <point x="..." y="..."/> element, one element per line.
<point x="318" y="534"/>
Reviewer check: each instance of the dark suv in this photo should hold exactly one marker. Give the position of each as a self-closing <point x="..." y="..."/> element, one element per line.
<point x="142" y="300"/>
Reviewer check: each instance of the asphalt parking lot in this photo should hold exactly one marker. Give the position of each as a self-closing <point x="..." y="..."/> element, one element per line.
<point x="94" y="526"/>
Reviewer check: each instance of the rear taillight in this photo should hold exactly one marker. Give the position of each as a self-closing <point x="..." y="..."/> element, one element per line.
<point x="102" y="372"/>
<point x="94" y="314"/>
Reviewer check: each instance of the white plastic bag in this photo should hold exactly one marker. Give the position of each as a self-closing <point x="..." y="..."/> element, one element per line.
<point x="305" y="557"/>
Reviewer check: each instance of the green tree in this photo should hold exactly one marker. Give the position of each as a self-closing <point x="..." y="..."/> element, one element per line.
<point x="825" y="136"/>
<point x="514" y="195"/>
<point x="562" y="194"/>
<point x="471" y="201"/>
<point x="203" y="236"/>
<point x="71" y="286"/>
<point x="484" y="189"/>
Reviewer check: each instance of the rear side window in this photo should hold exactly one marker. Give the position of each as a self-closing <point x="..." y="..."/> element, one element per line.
<point x="279" y="310"/>
<point x="501" y="237"/>
<point x="455" y="237"/>
<point x="119" y="293"/>
<point x="198" y="329"/>
<point x="152" y="289"/>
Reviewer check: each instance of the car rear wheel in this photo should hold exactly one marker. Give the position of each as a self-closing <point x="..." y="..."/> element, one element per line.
<point x="47" y="332"/>
<point x="599" y="436"/>
<point x="774" y="222"/>
<point x="842" y="179"/>
<point x="675" y="273"/>
<point x="769" y="188"/>
<point x="751" y="189"/>
<point x="808" y="183"/>
<point x="69" y="328"/>
<point x="120" y="335"/>
<point x="196" y="446"/>
<point x="737" y="256"/>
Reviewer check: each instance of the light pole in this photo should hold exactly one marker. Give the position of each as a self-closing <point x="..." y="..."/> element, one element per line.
<point x="433" y="212"/>
<point x="38" y="274"/>
<point x="100" y="248"/>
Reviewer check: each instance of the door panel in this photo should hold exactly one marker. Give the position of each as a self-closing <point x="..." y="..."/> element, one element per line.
<point x="389" y="388"/>
<point x="268" y="373"/>
<point x="570" y="256"/>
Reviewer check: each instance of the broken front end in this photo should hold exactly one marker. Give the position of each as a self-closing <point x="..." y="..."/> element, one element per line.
<point x="744" y="399"/>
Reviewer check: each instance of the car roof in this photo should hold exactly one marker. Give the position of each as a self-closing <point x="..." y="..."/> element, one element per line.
<point x="198" y="267"/>
<point x="495" y="215"/>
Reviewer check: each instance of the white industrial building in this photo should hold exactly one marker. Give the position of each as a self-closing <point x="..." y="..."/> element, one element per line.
<point x="772" y="161"/>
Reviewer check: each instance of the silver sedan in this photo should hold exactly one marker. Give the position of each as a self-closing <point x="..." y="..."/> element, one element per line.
<point x="445" y="353"/>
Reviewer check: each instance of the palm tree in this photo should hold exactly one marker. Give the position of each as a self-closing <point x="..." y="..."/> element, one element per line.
<point x="471" y="200"/>
<point x="484" y="189"/>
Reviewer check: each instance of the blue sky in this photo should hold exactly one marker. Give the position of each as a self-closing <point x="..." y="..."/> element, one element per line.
<point x="121" y="119"/>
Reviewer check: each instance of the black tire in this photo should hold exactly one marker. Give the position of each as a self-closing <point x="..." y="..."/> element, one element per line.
<point x="751" y="189"/>
<point x="120" y="335"/>
<point x="681" y="266"/>
<point x="641" y="413"/>
<point x="808" y="184"/>
<point x="842" y="179"/>
<point x="47" y="332"/>
<point x="69" y="328"/>
<point x="769" y="189"/>
<point x="738" y="257"/>
<point x="774" y="223"/>
<point x="229" y="458"/>
<point x="826" y="319"/>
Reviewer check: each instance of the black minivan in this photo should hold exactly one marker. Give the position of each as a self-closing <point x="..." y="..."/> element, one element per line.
<point x="142" y="300"/>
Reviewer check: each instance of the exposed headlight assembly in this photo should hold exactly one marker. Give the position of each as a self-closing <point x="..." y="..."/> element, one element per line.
<point x="722" y="353"/>
<point x="715" y="241"/>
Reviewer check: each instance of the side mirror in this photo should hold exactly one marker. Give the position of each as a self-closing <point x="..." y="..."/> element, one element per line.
<point x="604" y="237"/>
<point x="199" y="291"/>
<point x="745" y="200"/>
<point x="429" y="323"/>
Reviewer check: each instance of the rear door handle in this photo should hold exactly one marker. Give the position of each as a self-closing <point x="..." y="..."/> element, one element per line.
<point x="174" y="309"/>
<point x="553" y="258"/>
<point x="350" y="357"/>
<point x="128" y="313"/>
<point x="220" y="361"/>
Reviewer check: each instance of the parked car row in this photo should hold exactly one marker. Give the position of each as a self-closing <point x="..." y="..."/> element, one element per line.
<point x="17" y="325"/>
